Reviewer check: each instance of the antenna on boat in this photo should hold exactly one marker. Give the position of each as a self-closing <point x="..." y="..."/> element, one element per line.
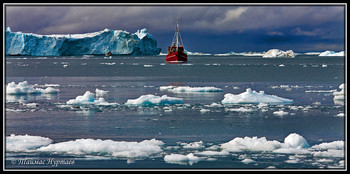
<point x="177" y="33"/>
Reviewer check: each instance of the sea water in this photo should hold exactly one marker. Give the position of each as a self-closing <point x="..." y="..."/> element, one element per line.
<point x="44" y="132"/>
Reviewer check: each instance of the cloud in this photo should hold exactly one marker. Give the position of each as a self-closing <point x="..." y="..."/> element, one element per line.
<point x="275" y="33"/>
<point x="314" y="32"/>
<point x="75" y="19"/>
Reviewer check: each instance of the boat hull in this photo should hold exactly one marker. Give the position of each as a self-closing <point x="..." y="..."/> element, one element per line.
<point x="176" y="57"/>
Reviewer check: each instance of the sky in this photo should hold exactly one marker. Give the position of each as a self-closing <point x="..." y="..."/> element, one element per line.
<point x="219" y="28"/>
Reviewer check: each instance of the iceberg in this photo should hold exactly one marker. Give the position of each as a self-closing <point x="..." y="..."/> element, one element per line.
<point x="187" y="89"/>
<point x="181" y="159"/>
<point x="100" y="42"/>
<point x="274" y="53"/>
<point x="23" y="88"/>
<point x="292" y="143"/>
<point x="149" y="100"/>
<point x="253" y="97"/>
<point x="331" y="53"/>
<point x="88" y="98"/>
<point x="118" y="149"/>
<point x="23" y="143"/>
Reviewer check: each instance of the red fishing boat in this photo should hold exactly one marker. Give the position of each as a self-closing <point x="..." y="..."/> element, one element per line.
<point x="176" y="52"/>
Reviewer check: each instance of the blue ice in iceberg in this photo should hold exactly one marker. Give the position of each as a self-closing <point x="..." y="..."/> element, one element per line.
<point x="117" y="42"/>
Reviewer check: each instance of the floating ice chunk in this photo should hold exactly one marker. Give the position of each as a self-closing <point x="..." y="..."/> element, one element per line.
<point x="340" y="115"/>
<point x="194" y="145"/>
<point x="339" y="95"/>
<point x="253" y="97"/>
<point x="122" y="149"/>
<point x="150" y="99"/>
<point x="296" y="141"/>
<point x="213" y="153"/>
<point x="88" y="98"/>
<point x="248" y="161"/>
<point x="337" y="145"/>
<point x="292" y="143"/>
<point x="204" y="110"/>
<point x="215" y="105"/>
<point x="280" y="113"/>
<point x="250" y="144"/>
<point x="14" y="110"/>
<point x="24" y="88"/>
<point x="332" y="53"/>
<point x="50" y="90"/>
<point x="241" y="109"/>
<point x="181" y="159"/>
<point x="24" y="143"/>
<point x="100" y="92"/>
<point x="330" y="153"/>
<point x="179" y="89"/>
<point x="273" y="53"/>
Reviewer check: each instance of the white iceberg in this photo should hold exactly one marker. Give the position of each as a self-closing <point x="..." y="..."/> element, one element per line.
<point x="24" y="143"/>
<point x="187" y="89"/>
<point x="274" y="53"/>
<point x="101" y="42"/>
<point x="248" y="161"/>
<point x="254" y="97"/>
<point x="88" y="98"/>
<point x="23" y="88"/>
<point x="339" y="95"/>
<point x="332" y="53"/>
<point x="181" y="159"/>
<point x="295" y="140"/>
<point x="100" y="92"/>
<point x="149" y="100"/>
<point x="193" y="145"/>
<point x="121" y="149"/>
<point x="292" y="142"/>
<point x="250" y="144"/>
<point x="280" y="113"/>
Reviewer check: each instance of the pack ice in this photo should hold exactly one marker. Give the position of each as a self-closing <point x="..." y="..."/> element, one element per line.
<point x="100" y="42"/>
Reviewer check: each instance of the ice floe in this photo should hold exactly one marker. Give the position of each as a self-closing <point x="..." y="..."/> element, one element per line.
<point x="181" y="159"/>
<point x="251" y="96"/>
<point x="100" y="92"/>
<point x="280" y="113"/>
<point x="150" y="99"/>
<point x="179" y="89"/>
<point x="23" y="143"/>
<point x="88" y="98"/>
<point x="332" y="53"/>
<point x="119" y="149"/>
<point x="23" y="88"/>
<point x="250" y="144"/>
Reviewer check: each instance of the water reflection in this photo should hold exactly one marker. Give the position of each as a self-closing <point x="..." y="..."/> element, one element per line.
<point x="31" y="97"/>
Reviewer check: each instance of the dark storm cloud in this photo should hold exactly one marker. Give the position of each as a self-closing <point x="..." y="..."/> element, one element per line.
<point x="268" y="24"/>
<point x="67" y="19"/>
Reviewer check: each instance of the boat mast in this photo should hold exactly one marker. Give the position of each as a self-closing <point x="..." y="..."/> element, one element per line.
<point x="177" y="33"/>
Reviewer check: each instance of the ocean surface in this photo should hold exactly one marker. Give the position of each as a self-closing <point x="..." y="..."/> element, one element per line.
<point x="44" y="132"/>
